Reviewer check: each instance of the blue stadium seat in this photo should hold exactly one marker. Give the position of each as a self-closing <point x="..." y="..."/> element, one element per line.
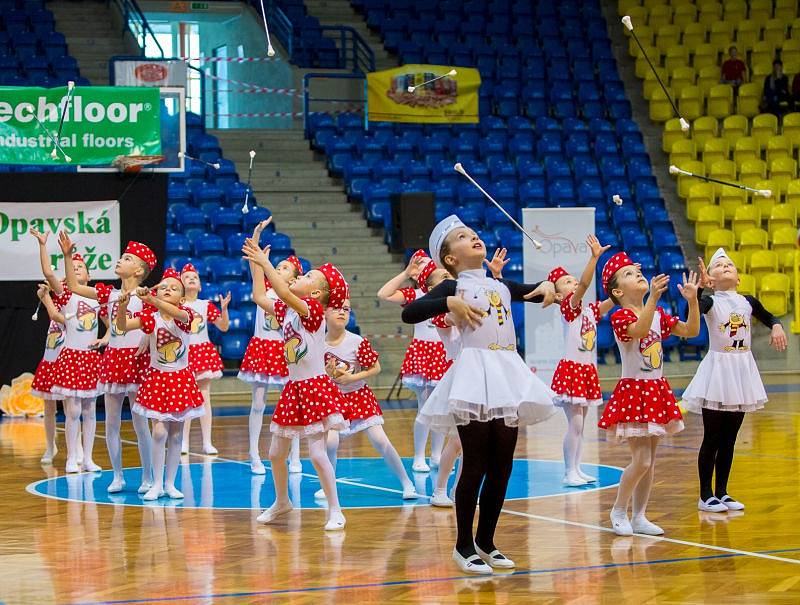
<point x="176" y="244"/>
<point x="234" y="344"/>
<point x="209" y="244"/>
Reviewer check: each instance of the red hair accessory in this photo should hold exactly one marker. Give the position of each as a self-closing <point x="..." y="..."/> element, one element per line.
<point x="424" y="274"/>
<point x="614" y="264"/>
<point x="188" y="268"/>
<point x="296" y="262"/>
<point x="419" y="254"/>
<point x="169" y="272"/>
<point x="77" y="258"/>
<point x="142" y="252"/>
<point x="556" y="274"/>
<point x="338" y="290"/>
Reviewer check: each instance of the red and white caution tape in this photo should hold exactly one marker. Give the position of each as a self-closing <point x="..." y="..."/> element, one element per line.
<point x="387" y="336"/>
<point x="255" y="88"/>
<point x="284" y="114"/>
<point x="230" y="59"/>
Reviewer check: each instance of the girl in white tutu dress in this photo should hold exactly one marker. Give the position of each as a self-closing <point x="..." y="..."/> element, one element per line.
<point x="727" y="384"/>
<point x="488" y="392"/>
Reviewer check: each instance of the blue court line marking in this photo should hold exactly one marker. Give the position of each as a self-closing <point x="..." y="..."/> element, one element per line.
<point x="390" y="583"/>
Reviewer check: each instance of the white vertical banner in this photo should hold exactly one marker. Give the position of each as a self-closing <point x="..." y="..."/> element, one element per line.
<point x="562" y="233"/>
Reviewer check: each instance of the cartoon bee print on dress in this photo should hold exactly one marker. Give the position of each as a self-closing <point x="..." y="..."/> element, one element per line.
<point x="496" y="304"/>
<point x="734" y="324"/>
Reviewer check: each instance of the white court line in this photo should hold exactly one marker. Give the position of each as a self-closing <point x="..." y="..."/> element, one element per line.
<point x="724" y="549"/>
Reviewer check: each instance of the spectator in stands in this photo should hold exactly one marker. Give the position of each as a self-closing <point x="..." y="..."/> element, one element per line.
<point x="796" y="90"/>
<point x="776" y="98"/>
<point x="734" y="70"/>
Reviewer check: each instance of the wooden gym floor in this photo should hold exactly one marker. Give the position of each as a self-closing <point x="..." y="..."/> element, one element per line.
<point x="71" y="551"/>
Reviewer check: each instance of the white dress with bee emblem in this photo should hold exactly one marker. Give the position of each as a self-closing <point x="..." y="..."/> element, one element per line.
<point x="488" y="379"/>
<point x="727" y="378"/>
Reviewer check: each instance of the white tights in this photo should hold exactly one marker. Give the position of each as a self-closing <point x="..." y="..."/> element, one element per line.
<point x="573" y="439"/>
<point x="76" y="408"/>
<point x="205" y="419"/>
<point x="380" y="442"/>
<point x="637" y="478"/>
<point x="114" y="441"/>
<point x="166" y="433"/>
<point x="256" y="420"/>
<point x="421" y="431"/>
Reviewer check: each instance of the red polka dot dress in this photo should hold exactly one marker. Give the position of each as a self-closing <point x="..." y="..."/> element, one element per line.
<point x="575" y="381"/>
<point x="643" y="403"/>
<point x="77" y="366"/>
<point x="204" y="359"/>
<point x="353" y="355"/>
<point x="264" y="362"/>
<point x="44" y="375"/>
<point x="425" y="361"/>
<point x="169" y="390"/>
<point x="310" y="402"/>
<point x="121" y="369"/>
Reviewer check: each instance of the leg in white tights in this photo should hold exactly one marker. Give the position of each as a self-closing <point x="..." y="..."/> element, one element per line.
<point x="205" y="422"/>
<point x="174" y="438"/>
<point x="255" y="422"/>
<point x="421" y="431"/>
<point x="295" y="466"/>
<point x="380" y="441"/>
<point x="160" y="434"/>
<point x="72" y="413"/>
<point x="278" y="452"/>
<point x="576" y="415"/>
<point x="642" y="460"/>
<point x="89" y="425"/>
<point x="641" y="493"/>
<point x="318" y="454"/>
<point x="113" y="407"/>
<point x="144" y="441"/>
<point x="50" y="448"/>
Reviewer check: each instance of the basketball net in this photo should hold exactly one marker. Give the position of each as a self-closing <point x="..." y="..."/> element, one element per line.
<point x="132" y="164"/>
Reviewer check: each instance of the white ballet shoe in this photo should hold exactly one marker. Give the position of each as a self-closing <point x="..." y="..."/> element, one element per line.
<point x="441" y="500"/>
<point x="48" y="456"/>
<point x="573" y="480"/>
<point x="274" y="511"/>
<point x="257" y="467"/>
<point x="730" y="503"/>
<point x="712" y="505"/>
<point x="620" y="524"/>
<point x="173" y="492"/>
<point x="585" y="477"/>
<point x="420" y="466"/>
<point x="642" y="525"/>
<point x="90" y="466"/>
<point x="433" y="463"/>
<point x="495" y="558"/>
<point x="410" y="493"/>
<point x="320" y="494"/>
<point x="210" y="450"/>
<point x="72" y="467"/>
<point x="154" y="493"/>
<point x="336" y="521"/>
<point x="144" y="487"/>
<point x="116" y="486"/>
<point x="296" y="467"/>
<point x="473" y="564"/>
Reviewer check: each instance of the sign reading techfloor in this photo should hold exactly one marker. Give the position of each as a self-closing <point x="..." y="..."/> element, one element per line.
<point x="101" y="123"/>
<point x="93" y="226"/>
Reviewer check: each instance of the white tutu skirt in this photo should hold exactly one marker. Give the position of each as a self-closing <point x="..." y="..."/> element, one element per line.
<point x="726" y="381"/>
<point x="485" y="385"/>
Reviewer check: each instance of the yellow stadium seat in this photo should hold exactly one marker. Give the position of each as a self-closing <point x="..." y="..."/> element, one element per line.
<point x="747" y="285"/>
<point x="642" y="66"/>
<point x="749" y="99"/>
<point x="784" y="240"/>
<point x="709" y="12"/>
<point x="660" y="16"/>
<point x="752" y="240"/>
<point x="763" y="52"/>
<point x="720" y="101"/>
<point x="778" y="147"/>
<point x="651" y="84"/>
<point x="781" y="172"/>
<point x="730" y="198"/>
<point x="791" y="66"/>
<point x="706" y="55"/>
<point x="765" y="125"/>
<point x="791" y="128"/>
<point x="714" y="150"/>
<point x="774" y="32"/>
<point x="766" y="203"/>
<point x="780" y="217"/>
<point x="681" y="78"/>
<point x="760" y="10"/>
<point x="690" y="103"/>
<point x="762" y="263"/>
<point x="761" y="70"/>
<point x="786" y="259"/>
<point x="790" y="51"/>
<point x="734" y="11"/>
<point x="738" y="259"/>
<point x="701" y="195"/>
<point x="774" y="293"/>
<point x="786" y="10"/>
<point x="638" y="15"/>
<point x="667" y="36"/>
<point x="707" y="78"/>
<point x="672" y="132"/>
<point x="792" y="194"/>
<point x="645" y="35"/>
<point x="677" y="56"/>
<point x="747" y="34"/>
<point x="724" y="170"/>
<point x="650" y="4"/>
<point x="721" y="36"/>
<point x="682" y="151"/>
<point x="734" y="127"/>
<point x="746" y="217"/>
<point x="709" y="218"/>
<point x="719" y="238"/>
<point x="685" y="182"/>
<point x="704" y="128"/>
<point x="694" y="34"/>
<point x="624" y="6"/>
<point x="752" y="171"/>
<point x="795" y="28"/>
<point x="660" y="107"/>
<point x="746" y="148"/>
<point x="684" y="14"/>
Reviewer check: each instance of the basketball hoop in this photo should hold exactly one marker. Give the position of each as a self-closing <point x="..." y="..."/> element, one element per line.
<point x="132" y="164"/>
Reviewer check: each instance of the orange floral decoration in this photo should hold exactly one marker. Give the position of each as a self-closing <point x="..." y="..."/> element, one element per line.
<point x="17" y="401"/>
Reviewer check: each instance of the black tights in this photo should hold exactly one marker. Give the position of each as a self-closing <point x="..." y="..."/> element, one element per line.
<point x="488" y="457"/>
<point x="716" y="452"/>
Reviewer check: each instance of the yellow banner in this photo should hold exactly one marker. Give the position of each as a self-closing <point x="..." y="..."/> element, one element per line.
<point x="431" y="94"/>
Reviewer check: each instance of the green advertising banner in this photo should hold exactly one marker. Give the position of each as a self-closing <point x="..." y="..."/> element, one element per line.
<point x="100" y="123"/>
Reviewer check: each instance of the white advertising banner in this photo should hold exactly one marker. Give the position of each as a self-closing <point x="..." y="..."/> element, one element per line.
<point x="93" y="226"/>
<point x="146" y="72"/>
<point x="562" y="233"/>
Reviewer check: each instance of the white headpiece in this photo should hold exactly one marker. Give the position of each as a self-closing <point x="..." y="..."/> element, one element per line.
<point x="719" y="254"/>
<point x="440" y="232"/>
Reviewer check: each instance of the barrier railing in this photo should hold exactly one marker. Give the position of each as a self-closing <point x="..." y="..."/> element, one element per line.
<point x="796" y="323"/>
<point x="354" y="53"/>
<point x="135" y="21"/>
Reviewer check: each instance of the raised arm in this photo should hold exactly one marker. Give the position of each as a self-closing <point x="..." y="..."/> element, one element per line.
<point x="52" y="312"/>
<point x="122" y="322"/>
<point x="541" y="292"/>
<point x="390" y="291"/>
<point x="588" y="273"/>
<point x="641" y="327"/>
<point x="166" y="309"/>
<point x="223" y="322"/>
<point x="442" y="299"/>
<point x="44" y="261"/>
<point x="255" y="254"/>
<point x="688" y="289"/>
<point x="260" y="289"/>
<point x="72" y="282"/>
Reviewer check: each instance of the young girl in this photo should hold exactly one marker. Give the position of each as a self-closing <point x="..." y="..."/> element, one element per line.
<point x="642" y="408"/>
<point x="310" y="403"/>
<point x="488" y="392"/>
<point x="169" y="394"/>
<point x="727" y="384"/>
<point x="350" y="360"/>
<point x="264" y="364"/>
<point x="425" y="361"/>
<point x="204" y="360"/>
<point x="575" y="381"/>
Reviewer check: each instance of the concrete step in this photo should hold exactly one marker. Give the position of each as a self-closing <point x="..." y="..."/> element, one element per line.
<point x="338" y="224"/>
<point x="294" y="156"/>
<point x="292" y="186"/>
<point x="300" y="211"/>
<point x="299" y="200"/>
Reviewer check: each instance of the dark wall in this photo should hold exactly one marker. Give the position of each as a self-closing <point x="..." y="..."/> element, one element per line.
<point x="143" y="208"/>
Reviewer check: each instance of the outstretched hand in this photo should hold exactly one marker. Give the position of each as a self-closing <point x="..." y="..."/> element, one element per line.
<point x="689" y="287"/>
<point x="777" y="339"/>
<point x="253" y="252"/>
<point x="547" y="290"/>
<point x="65" y="243"/>
<point x="498" y="262"/>
<point x="658" y="285"/>
<point x="40" y="237"/>
<point x="706" y="281"/>
<point x="595" y="246"/>
<point x="224" y="301"/>
<point x="464" y="313"/>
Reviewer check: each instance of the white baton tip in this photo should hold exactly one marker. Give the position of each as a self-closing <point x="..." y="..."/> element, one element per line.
<point x="252" y="153"/>
<point x="617" y="200"/>
<point x="70" y="85"/>
<point x="674" y="169"/>
<point x="215" y="165"/>
<point x="270" y="51"/>
<point x="452" y="72"/>
<point x="765" y="192"/>
<point x="412" y="88"/>
<point x="67" y="158"/>
<point x="684" y="125"/>
<point x="626" y="21"/>
<point x="458" y="167"/>
<point x="181" y="154"/>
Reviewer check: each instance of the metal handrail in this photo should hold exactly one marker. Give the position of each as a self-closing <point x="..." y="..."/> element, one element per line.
<point x="280" y="25"/>
<point x="133" y="17"/>
<point x="307" y="98"/>
<point x="354" y="52"/>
